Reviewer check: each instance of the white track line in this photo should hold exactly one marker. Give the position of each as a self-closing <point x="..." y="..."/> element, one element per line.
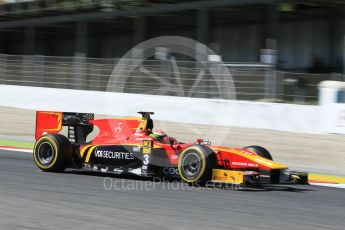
<point x="17" y="149"/>
<point x="329" y="185"/>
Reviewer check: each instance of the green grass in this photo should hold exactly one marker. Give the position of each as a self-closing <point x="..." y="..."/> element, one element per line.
<point x="18" y="144"/>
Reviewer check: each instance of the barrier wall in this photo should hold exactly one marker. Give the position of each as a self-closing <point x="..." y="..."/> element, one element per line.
<point x="335" y="118"/>
<point x="282" y="117"/>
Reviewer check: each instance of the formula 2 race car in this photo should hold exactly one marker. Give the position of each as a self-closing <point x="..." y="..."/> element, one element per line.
<point x="131" y="146"/>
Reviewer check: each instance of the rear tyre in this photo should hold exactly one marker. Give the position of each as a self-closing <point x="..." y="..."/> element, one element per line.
<point x="195" y="165"/>
<point x="53" y="153"/>
<point x="260" y="151"/>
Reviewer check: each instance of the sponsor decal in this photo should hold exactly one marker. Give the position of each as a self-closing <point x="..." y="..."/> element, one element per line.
<point x="55" y="116"/>
<point x="147" y="146"/>
<point x="250" y="173"/>
<point x="95" y="168"/>
<point x="141" y="138"/>
<point x="220" y="178"/>
<point x="118" y="128"/>
<point x="136" y="171"/>
<point x="118" y="170"/>
<point x="108" y="154"/>
<point x="68" y="116"/>
<point x="174" y="157"/>
<point x="170" y="171"/>
<point x="244" y="164"/>
<point x="136" y="149"/>
<point x="139" y="133"/>
<point x="104" y="169"/>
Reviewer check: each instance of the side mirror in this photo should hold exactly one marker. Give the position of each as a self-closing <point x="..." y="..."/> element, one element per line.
<point x="203" y="142"/>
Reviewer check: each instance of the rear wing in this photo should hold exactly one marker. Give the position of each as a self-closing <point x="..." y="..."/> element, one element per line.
<point x="52" y="123"/>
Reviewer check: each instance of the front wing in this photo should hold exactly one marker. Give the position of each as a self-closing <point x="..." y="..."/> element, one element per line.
<point x="263" y="177"/>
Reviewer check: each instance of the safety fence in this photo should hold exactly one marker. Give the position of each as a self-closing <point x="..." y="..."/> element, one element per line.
<point x="32" y="7"/>
<point x="243" y="81"/>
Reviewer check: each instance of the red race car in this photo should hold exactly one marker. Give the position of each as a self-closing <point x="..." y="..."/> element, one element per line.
<point x="131" y="146"/>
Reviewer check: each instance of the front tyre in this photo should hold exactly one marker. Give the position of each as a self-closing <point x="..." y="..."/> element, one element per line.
<point x="195" y="165"/>
<point x="52" y="153"/>
<point x="261" y="151"/>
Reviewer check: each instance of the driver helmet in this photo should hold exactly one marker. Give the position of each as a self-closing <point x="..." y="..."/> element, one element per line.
<point x="159" y="135"/>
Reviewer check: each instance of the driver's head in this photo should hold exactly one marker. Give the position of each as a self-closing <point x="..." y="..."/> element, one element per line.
<point x="159" y="135"/>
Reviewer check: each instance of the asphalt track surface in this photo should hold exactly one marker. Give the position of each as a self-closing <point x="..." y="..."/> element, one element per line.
<point x="31" y="199"/>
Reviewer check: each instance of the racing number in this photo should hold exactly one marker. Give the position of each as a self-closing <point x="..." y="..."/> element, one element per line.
<point x="146" y="151"/>
<point x="147" y="147"/>
<point x="146" y="159"/>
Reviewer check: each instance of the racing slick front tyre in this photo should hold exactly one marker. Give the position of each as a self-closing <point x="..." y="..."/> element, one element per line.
<point x="52" y="153"/>
<point x="261" y="151"/>
<point x="195" y="165"/>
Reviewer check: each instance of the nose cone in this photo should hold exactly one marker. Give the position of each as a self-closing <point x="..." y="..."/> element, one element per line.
<point x="268" y="164"/>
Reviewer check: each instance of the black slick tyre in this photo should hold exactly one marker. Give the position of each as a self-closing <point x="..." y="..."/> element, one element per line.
<point x="195" y="165"/>
<point x="52" y="153"/>
<point x="260" y="151"/>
